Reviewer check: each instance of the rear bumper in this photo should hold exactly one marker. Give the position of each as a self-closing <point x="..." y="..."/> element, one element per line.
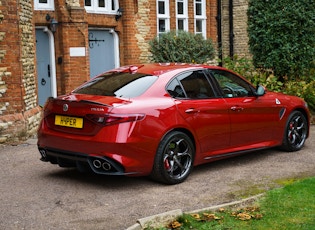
<point x="97" y="164"/>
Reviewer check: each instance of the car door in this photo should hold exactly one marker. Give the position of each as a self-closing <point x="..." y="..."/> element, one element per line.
<point x="205" y="113"/>
<point x="253" y="120"/>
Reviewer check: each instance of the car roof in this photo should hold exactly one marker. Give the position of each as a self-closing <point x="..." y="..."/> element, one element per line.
<point x="158" y="69"/>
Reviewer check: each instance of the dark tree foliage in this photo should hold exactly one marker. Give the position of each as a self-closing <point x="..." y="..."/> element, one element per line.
<point x="282" y="36"/>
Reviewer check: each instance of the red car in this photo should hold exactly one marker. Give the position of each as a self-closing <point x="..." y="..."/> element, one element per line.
<point x="163" y="119"/>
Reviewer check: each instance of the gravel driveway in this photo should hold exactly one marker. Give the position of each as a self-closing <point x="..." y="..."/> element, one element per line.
<point x="37" y="195"/>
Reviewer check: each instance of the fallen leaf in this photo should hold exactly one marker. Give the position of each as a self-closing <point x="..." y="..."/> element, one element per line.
<point x="174" y="225"/>
<point x="244" y="216"/>
<point x="210" y="216"/>
<point x="196" y="216"/>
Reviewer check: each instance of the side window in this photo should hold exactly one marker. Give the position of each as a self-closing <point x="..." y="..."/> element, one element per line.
<point x="192" y="85"/>
<point x="231" y="85"/>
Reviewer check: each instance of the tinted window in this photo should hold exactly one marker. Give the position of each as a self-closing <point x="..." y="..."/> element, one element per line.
<point x="231" y="85"/>
<point x="192" y="85"/>
<point x="120" y="85"/>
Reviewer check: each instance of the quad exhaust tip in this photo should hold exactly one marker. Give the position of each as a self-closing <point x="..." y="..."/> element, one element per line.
<point x="101" y="164"/>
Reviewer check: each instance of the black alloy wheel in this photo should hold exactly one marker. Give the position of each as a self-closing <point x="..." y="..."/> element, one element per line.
<point x="174" y="158"/>
<point x="296" y="132"/>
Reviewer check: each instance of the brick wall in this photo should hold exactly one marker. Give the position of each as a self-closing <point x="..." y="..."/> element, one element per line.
<point x="239" y="28"/>
<point x="140" y="26"/>
<point x="19" y="114"/>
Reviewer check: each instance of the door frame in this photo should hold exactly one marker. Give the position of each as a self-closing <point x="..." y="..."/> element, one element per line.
<point x="52" y="59"/>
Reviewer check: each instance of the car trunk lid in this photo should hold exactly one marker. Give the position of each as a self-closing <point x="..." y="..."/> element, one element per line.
<point x="80" y="114"/>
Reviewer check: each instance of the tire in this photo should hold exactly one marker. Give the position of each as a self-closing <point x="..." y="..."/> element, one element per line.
<point x="174" y="158"/>
<point x="295" y="132"/>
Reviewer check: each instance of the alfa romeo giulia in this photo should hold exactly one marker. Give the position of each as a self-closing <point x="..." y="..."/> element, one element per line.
<point x="160" y="120"/>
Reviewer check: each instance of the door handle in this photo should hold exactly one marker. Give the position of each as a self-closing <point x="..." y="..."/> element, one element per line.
<point x="48" y="68"/>
<point x="191" y="110"/>
<point x="237" y="108"/>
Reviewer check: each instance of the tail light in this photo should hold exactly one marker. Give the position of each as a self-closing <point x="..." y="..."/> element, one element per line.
<point x="112" y="119"/>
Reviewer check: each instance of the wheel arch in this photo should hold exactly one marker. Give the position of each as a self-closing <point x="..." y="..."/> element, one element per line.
<point x="307" y="115"/>
<point x="187" y="132"/>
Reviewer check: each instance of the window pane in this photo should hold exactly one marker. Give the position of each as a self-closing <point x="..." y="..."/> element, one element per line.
<point x="161" y="7"/>
<point x="87" y="3"/>
<point x="43" y="1"/>
<point x="198" y="9"/>
<point x="161" y="25"/>
<point x="113" y="5"/>
<point x="180" y="24"/>
<point x="175" y="90"/>
<point x="118" y="85"/>
<point x="198" y="26"/>
<point x="231" y="85"/>
<point x="101" y="3"/>
<point x="180" y="8"/>
<point x="196" y="85"/>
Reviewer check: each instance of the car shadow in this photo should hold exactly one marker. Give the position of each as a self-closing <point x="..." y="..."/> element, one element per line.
<point x="103" y="181"/>
<point x="242" y="159"/>
<point x="92" y="179"/>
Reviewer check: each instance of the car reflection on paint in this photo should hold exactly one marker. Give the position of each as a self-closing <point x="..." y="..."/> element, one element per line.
<point x="162" y="119"/>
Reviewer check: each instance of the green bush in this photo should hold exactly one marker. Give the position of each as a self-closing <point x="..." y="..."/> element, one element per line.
<point x="282" y="36"/>
<point x="304" y="87"/>
<point x="181" y="46"/>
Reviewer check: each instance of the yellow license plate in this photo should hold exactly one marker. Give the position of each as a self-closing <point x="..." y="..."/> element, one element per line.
<point x="74" y="122"/>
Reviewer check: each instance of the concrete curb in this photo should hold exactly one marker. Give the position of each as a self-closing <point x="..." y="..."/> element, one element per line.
<point x="159" y="220"/>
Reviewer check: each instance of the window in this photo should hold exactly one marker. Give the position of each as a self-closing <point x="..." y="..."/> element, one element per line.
<point x="200" y="17"/>
<point x="44" y="5"/>
<point x="181" y="15"/>
<point x="231" y="85"/>
<point x="101" y="6"/>
<point x="192" y="85"/>
<point x="163" y="16"/>
<point x="118" y="85"/>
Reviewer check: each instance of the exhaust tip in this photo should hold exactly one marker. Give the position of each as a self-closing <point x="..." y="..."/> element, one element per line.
<point x="106" y="166"/>
<point x="97" y="164"/>
<point x="43" y="154"/>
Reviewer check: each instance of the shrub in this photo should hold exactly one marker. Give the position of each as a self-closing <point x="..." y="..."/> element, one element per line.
<point x="304" y="87"/>
<point x="181" y="46"/>
<point x="282" y="36"/>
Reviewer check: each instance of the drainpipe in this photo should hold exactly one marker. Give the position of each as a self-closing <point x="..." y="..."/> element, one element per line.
<point x="231" y="29"/>
<point x="219" y="30"/>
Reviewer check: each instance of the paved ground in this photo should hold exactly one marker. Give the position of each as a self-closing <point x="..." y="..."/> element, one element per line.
<point x="37" y="195"/>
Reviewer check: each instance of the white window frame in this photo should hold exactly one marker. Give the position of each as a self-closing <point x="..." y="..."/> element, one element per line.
<point x="183" y="16"/>
<point x="202" y="17"/>
<point x="94" y="8"/>
<point x="50" y="5"/>
<point x="165" y="17"/>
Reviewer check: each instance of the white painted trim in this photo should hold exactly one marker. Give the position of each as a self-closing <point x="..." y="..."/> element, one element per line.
<point x="116" y="47"/>
<point x="53" y="77"/>
<point x="50" y="5"/>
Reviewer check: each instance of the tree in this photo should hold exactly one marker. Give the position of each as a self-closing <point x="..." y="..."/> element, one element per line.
<point x="282" y="36"/>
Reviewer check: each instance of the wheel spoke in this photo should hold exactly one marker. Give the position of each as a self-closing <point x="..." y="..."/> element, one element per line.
<point x="177" y="159"/>
<point x="297" y="131"/>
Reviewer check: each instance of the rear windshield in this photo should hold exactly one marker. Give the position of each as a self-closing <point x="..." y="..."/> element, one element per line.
<point x="125" y="85"/>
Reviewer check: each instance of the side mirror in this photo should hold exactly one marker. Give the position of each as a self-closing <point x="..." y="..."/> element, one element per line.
<point x="260" y="91"/>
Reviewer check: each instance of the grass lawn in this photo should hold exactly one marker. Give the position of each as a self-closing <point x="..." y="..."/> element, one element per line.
<point x="290" y="207"/>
